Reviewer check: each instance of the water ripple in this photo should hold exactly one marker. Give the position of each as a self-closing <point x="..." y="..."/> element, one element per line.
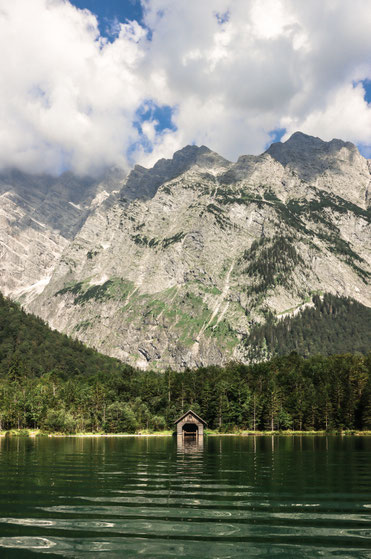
<point x="119" y="499"/>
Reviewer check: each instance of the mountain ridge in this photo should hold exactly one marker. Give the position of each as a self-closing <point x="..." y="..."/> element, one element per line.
<point x="178" y="263"/>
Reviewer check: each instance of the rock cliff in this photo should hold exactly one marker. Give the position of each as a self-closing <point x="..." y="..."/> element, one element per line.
<point x="174" y="265"/>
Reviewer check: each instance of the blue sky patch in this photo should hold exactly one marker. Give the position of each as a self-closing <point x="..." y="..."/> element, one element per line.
<point x="364" y="150"/>
<point x="222" y="18"/>
<point x="152" y="112"/>
<point x="367" y="87"/>
<point x="160" y="115"/>
<point x="110" y="12"/>
<point x="275" y="136"/>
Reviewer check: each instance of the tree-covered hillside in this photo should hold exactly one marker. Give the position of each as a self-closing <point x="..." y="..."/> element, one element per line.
<point x="51" y="382"/>
<point x="329" y="325"/>
<point x="29" y="347"/>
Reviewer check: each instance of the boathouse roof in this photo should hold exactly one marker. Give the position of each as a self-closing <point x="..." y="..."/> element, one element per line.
<point x="190" y="412"/>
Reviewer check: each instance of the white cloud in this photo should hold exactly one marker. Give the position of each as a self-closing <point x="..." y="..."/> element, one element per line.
<point x="346" y="114"/>
<point x="232" y="69"/>
<point x="273" y="63"/>
<point x="67" y="96"/>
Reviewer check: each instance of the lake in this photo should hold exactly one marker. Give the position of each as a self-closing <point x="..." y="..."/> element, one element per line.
<point x="232" y="497"/>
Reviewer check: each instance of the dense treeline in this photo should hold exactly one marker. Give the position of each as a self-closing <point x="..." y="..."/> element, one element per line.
<point x="51" y="382"/>
<point x="287" y="392"/>
<point x="331" y="325"/>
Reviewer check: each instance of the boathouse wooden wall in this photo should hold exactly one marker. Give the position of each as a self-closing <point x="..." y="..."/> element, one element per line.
<point x="190" y="418"/>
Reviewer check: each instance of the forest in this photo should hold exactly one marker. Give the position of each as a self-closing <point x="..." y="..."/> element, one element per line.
<point x="328" y="324"/>
<point x="285" y="393"/>
<point x="53" y="383"/>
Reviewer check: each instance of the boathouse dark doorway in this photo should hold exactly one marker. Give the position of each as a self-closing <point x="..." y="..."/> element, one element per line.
<point x="190" y="430"/>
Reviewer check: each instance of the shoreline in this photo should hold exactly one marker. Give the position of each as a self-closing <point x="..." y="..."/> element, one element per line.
<point x="33" y="433"/>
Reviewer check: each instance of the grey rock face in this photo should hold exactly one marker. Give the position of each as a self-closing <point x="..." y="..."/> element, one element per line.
<point x="39" y="216"/>
<point x="178" y="267"/>
<point x="143" y="183"/>
<point x="327" y="165"/>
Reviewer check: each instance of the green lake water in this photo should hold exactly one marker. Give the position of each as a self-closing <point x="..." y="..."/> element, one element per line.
<point x="287" y="497"/>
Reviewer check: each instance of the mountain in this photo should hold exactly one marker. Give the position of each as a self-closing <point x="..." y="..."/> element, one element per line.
<point x="181" y="263"/>
<point x="39" y="216"/>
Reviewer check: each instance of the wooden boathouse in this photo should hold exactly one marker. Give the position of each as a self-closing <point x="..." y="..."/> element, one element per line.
<point x="190" y="425"/>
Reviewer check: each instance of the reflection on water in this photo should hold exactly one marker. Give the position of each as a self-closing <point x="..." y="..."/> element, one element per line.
<point x="213" y="497"/>
<point x="190" y="444"/>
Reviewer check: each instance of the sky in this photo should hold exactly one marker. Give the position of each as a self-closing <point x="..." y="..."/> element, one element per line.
<point x="89" y="84"/>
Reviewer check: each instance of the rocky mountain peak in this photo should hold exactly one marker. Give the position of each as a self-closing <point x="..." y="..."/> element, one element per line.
<point x="299" y="138"/>
<point x="199" y="155"/>
<point x="143" y="182"/>
<point x="302" y="146"/>
<point x="183" y="276"/>
<point x="334" y="166"/>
